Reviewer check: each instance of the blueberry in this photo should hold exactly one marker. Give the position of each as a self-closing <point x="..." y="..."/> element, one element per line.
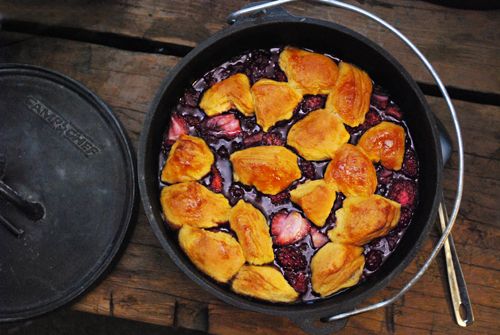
<point x="373" y="260"/>
<point x="236" y="191"/>
<point x="222" y="152"/>
<point x="190" y="98"/>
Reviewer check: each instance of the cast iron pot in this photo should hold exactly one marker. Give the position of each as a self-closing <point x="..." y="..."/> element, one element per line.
<point x="277" y="29"/>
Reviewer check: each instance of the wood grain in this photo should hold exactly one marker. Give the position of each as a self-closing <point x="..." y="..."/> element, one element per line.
<point x="462" y="45"/>
<point x="145" y="285"/>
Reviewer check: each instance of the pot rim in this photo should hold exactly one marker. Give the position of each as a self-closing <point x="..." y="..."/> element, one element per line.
<point x="324" y="307"/>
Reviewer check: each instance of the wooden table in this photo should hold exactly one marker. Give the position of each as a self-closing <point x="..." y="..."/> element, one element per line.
<point x="123" y="49"/>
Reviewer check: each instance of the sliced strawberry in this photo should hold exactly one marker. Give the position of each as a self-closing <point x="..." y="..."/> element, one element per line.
<point x="318" y="238"/>
<point x="225" y="125"/>
<point x="404" y="192"/>
<point x="372" y="118"/>
<point x="298" y="280"/>
<point x="394" y="111"/>
<point x="178" y="127"/>
<point x="288" y="228"/>
<point x="380" y="100"/>
<point x="216" y="181"/>
<point x="254" y="139"/>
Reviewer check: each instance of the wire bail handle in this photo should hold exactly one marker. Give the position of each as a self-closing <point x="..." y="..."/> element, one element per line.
<point x="458" y="197"/>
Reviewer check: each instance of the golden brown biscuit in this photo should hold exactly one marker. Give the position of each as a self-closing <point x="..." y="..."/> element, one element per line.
<point x="316" y="198"/>
<point x="352" y="171"/>
<point x="217" y="254"/>
<point x="271" y="169"/>
<point x="263" y="282"/>
<point x="362" y="219"/>
<point x="385" y="143"/>
<point x="350" y="98"/>
<point x="194" y="205"/>
<point x="233" y="92"/>
<point x="336" y="266"/>
<point x="252" y="230"/>
<point x="189" y="159"/>
<point x="274" y="101"/>
<point x="310" y="72"/>
<point x="318" y="135"/>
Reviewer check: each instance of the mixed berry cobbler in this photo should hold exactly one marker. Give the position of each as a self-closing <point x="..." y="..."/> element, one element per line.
<point x="287" y="175"/>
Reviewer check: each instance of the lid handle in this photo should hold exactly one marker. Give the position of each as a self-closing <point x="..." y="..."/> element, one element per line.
<point x="33" y="210"/>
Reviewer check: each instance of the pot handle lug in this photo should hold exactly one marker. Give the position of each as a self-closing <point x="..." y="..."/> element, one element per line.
<point x="445" y="140"/>
<point x="315" y="326"/>
<point x="260" y="9"/>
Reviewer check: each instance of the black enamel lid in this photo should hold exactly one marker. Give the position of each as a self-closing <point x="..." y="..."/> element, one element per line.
<point x="64" y="149"/>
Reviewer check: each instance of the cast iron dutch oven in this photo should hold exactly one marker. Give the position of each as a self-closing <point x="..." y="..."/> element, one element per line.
<point x="279" y="28"/>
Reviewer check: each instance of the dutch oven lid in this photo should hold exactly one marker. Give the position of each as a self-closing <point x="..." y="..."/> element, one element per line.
<point x="65" y="150"/>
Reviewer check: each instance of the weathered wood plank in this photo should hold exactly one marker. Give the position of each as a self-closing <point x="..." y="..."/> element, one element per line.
<point x="147" y="286"/>
<point x="463" y="45"/>
<point x="111" y="298"/>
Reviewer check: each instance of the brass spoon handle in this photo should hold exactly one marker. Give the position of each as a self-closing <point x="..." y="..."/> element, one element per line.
<point x="458" y="288"/>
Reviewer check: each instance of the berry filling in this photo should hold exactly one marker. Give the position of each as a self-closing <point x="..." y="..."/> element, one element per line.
<point x="372" y="118"/>
<point x="191" y="98"/>
<point x="290" y="258"/>
<point x="298" y="280"/>
<point x="307" y="169"/>
<point x="410" y="165"/>
<point x="279" y="198"/>
<point x="373" y="260"/>
<point x="272" y="139"/>
<point x="384" y="176"/>
<point x="313" y="102"/>
<point x="405" y="216"/>
<point x="253" y="140"/>
<point x="394" y="111"/>
<point x="295" y="239"/>
<point x="379" y="98"/>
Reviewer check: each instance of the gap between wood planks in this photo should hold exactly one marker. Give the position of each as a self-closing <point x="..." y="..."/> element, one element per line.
<point x="129" y="43"/>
